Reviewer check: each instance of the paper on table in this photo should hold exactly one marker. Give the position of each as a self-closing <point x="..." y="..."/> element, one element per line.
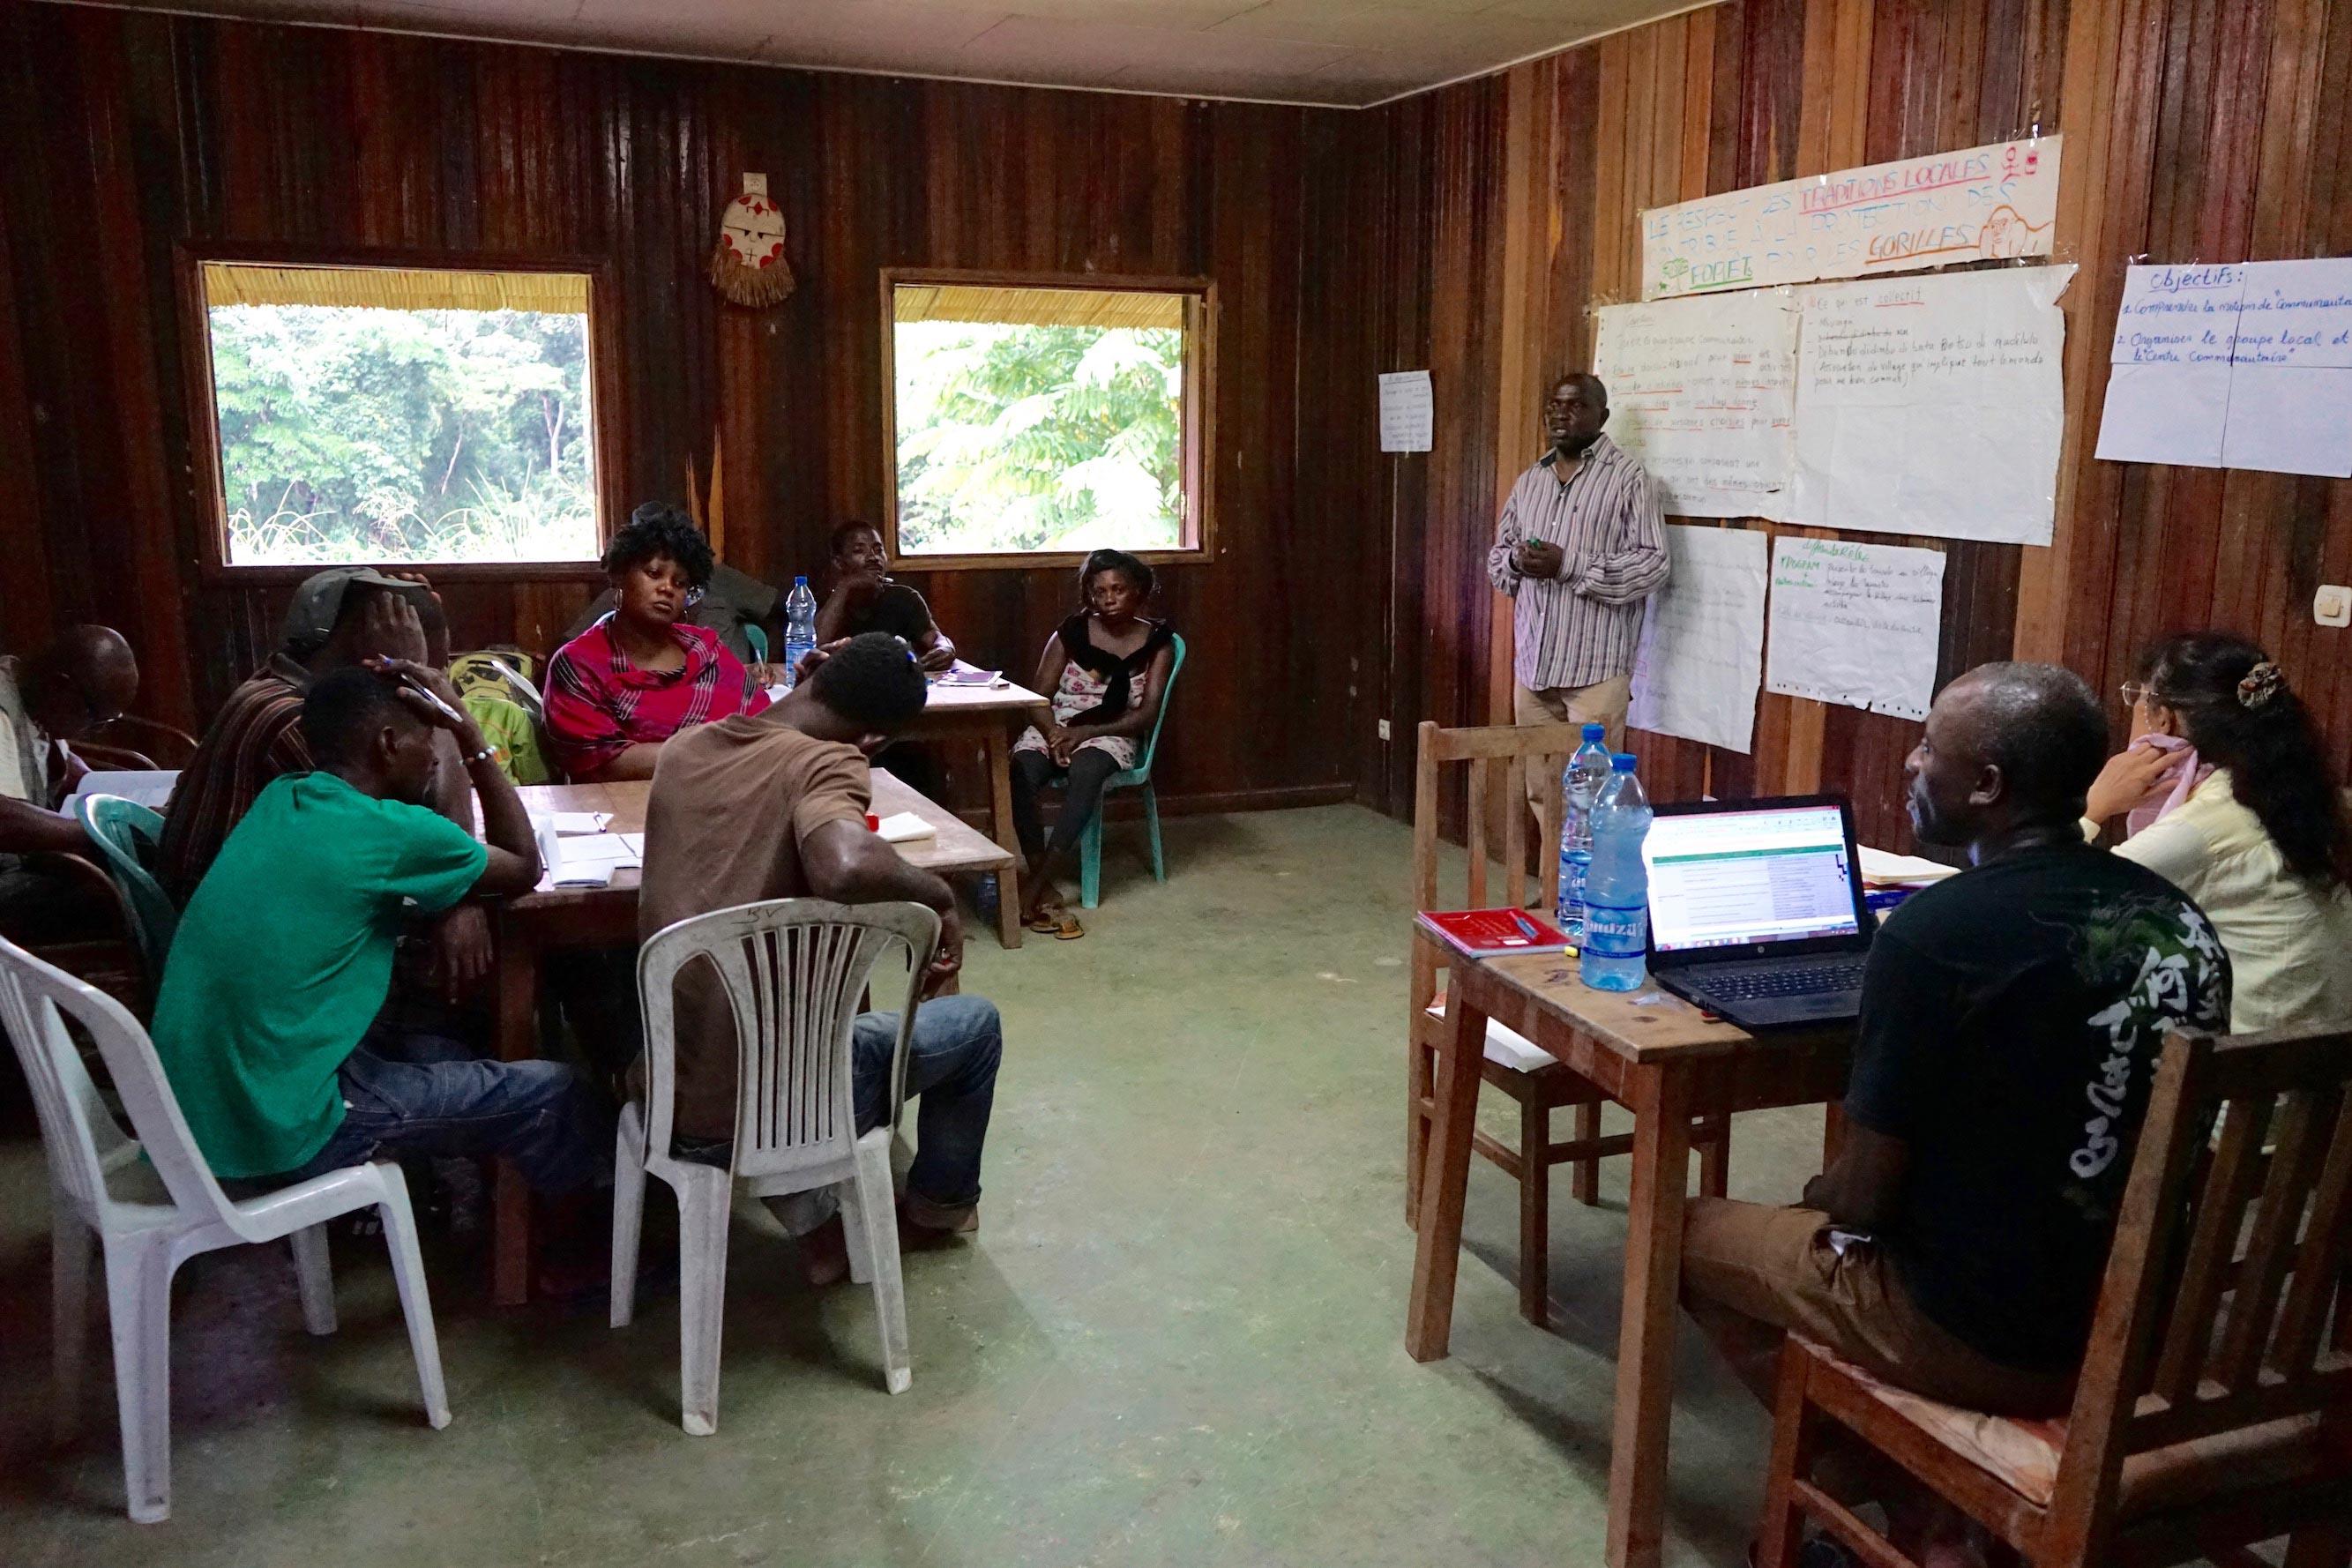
<point x="1933" y="405"/>
<point x="1883" y="866"/>
<point x="1702" y="648"/>
<point x="1703" y="393"/>
<point x="591" y="860"/>
<point x="1855" y="624"/>
<point x="637" y="842"/>
<point x="575" y="821"/>
<point x="1408" y="411"/>
<point x="905" y="826"/>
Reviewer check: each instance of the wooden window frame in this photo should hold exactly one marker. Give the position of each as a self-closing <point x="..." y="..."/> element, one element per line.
<point x="213" y="564"/>
<point x="1195" y="439"/>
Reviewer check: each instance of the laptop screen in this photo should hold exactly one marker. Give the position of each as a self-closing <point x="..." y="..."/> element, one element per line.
<point x="1721" y="878"/>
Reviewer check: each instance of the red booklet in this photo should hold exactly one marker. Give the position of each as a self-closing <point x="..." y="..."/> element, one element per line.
<point x="1491" y="934"/>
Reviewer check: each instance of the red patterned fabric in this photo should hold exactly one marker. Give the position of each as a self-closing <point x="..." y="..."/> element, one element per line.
<point x="599" y="704"/>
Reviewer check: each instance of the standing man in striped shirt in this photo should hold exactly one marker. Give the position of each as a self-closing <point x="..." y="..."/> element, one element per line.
<point x="1579" y="546"/>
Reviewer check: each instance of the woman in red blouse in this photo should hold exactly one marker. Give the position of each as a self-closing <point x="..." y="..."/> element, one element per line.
<point x="619" y="689"/>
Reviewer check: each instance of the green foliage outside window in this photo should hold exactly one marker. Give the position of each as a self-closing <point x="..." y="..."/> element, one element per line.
<point x="357" y="434"/>
<point x="1038" y="437"/>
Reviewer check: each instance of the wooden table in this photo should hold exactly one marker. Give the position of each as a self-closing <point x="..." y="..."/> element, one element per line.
<point x="551" y="919"/>
<point x="1665" y="1061"/>
<point x="991" y="717"/>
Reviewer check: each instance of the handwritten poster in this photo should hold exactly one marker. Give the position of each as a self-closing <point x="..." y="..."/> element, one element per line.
<point x="1990" y="202"/>
<point x="2168" y="379"/>
<point x="1408" y="413"/>
<point x="1702" y="650"/>
<point x="1933" y="405"/>
<point x="1855" y="624"/>
<point x="1703" y="391"/>
<point x="2244" y="365"/>
<point x="2291" y="370"/>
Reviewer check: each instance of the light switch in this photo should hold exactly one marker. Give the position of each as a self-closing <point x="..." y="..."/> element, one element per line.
<point x="2332" y="605"/>
<point x="1384" y="728"/>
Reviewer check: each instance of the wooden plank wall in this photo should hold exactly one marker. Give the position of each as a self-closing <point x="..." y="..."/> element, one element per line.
<point x="2195" y="129"/>
<point x="131" y="133"/>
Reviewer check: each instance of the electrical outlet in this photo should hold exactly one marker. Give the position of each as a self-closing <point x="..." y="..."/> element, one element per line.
<point x="2332" y="605"/>
<point x="1384" y="728"/>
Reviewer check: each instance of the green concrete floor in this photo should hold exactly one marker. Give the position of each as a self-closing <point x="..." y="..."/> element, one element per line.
<point x="1178" y="1338"/>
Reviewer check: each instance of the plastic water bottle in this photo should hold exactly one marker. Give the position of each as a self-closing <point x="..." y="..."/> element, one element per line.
<point x="800" y="626"/>
<point x="1617" y="888"/>
<point x="1579" y="791"/>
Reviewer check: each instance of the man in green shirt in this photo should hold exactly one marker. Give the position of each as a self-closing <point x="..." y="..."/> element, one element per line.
<point x="284" y="956"/>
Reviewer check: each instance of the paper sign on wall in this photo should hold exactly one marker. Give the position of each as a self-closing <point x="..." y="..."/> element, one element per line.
<point x="1990" y="202"/>
<point x="1933" y="405"/>
<point x="1408" y="412"/>
<point x="2168" y="382"/>
<point x="1702" y="648"/>
<point x="2242" y="365"/>
<point x="1855" y="624"/>
<point x="2291" y="370"/>
<point x="1703" y="393"/>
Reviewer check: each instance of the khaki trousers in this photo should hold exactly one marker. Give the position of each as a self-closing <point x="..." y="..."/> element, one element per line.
<point x="1603" y="702"/>
<point x="1779" y="1267"/>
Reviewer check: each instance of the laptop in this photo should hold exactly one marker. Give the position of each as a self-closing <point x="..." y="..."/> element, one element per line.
<point x="1757" y="909"/>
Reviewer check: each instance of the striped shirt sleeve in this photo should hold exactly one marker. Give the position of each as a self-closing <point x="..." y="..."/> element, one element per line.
<point x="1633" y="562"/>
<point x="1507" y="533"/>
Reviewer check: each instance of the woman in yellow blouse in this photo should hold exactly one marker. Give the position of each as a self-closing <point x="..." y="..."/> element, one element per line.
<point x="2231" y="799"/>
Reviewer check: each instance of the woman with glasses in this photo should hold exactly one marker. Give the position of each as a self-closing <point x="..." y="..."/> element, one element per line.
<point x="2228" y="794"/>
<point x="642" y="673"/>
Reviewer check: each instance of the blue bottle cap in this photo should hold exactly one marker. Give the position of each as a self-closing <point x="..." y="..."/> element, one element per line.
<point x="1596" y="731"/>
<point x="800" y="582"/>
<point x="1622" y="761"/>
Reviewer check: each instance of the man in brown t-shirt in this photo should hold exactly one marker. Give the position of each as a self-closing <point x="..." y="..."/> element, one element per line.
<point x="772" y="805"/>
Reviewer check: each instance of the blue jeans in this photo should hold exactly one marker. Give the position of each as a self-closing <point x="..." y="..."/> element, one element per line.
<point x="535" y="1113"/>
<point x="952" y="1069"/>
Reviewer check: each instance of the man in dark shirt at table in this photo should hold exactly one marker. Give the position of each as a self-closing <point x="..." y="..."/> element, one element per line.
<point x="865" y="598"/>
<point x="2012" y="1017"/>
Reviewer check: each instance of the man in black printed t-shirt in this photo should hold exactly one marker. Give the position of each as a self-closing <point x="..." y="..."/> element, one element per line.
<point x="2012" y="1017"/>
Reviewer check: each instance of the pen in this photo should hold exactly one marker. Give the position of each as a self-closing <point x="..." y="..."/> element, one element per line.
<point x="1525" y="925"/>
<point x="426" y="692"/>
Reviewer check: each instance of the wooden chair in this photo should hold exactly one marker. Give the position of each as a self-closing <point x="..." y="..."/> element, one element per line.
<point x="100" y="757"/>
<point x="2215" y="1406"/>
<point x="1539" y="1083"/>
<point x="149" y="738"/>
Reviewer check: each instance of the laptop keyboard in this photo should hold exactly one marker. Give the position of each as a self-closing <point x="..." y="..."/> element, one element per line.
<point x="1810" y="980"/>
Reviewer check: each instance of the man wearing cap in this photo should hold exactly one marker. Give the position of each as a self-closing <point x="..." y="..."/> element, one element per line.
<point x="338" y="618"/>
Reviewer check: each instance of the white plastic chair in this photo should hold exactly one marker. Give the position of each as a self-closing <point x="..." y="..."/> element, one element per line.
<point x="794" y="970"/>
<point x="155" y="1216"/>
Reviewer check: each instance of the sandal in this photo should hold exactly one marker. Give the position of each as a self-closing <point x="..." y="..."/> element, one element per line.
<point x="1058" y="924"/>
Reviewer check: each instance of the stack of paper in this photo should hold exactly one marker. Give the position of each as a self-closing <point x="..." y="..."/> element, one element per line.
<point x="905" y="826"/>
<point x="589" y="860"/>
